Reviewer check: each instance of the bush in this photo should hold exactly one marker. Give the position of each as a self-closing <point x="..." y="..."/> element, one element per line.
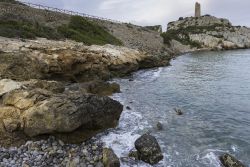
<point x="181" y="18"/>
<point x="82" y="30"/>
<point x="175" y="35"/>
<point x="78" y="29"/>
<point x="23" y="29"/>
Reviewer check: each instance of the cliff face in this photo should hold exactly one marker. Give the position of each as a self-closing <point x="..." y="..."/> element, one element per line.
<point x="206" y="32"/>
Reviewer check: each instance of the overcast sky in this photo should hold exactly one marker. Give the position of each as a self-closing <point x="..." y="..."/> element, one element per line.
<point x="153" y="12"/>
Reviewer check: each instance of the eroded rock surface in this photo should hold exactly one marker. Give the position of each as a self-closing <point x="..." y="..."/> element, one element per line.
<point x="43" y="107"/>
<point x="206" y="32"/>
<point x="69" y="60"/>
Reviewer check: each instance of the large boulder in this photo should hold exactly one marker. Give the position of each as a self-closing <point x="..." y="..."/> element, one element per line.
<point x="110" y="159"/>
<point x="35" y="111"/>
<point x="230" y="161"/>
<point x="148" y="149"/>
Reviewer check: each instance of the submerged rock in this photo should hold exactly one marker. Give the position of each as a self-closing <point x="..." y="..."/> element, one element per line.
<point x="178" y="111"/>
<point x="148" y="149"/>
<point x="110" y="159"/>
<point x="128" y="108"/>
<point x="133" y="154"/>
<point x="159" y="126"/>
<point x="229" y="161"/>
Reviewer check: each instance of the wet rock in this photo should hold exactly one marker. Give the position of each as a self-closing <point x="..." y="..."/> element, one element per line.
<point x="159" y="126"/>
<point x="148" y="149"/>
<point x="128" y="108"/>
<point x="110" y="159"/>
<point x="133" y="154"/>
<point x="178" y="111"/>
<point x="229" y="161"/>
<point x="131" y="80"/>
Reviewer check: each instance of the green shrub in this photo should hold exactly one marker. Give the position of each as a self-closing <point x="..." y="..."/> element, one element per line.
<point x="182" y="33"/>
<point x="175" y="35"/>
<point x="82" y="30"/>
<point x="78" y="29"/>
<point x="24" y="29"/>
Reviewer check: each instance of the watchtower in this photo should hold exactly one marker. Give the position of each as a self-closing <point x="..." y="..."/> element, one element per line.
<point x="197" y="9"/>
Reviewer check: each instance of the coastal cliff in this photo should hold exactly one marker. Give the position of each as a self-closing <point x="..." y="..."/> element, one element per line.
<point x="205" y="33"/>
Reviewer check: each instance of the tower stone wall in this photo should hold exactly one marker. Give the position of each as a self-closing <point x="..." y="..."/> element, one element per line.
<point x="197" y="9"/>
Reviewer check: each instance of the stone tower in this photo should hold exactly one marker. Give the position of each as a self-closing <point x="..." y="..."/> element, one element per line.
<point x="197" y="10"/>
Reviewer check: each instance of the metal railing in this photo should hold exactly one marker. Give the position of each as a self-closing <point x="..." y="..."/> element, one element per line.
<point x="69" y="12"/>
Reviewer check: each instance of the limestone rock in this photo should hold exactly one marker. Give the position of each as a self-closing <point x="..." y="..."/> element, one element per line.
<point x="96" y="87"/>
<point x="7" y="85"/>
<point x="229" y="161"/>
<point x="66" y="112"/>
<point x="20" y="99"/>
<point x="53" y="86"/>
<point x="35" y="112"/>
<point x="110" y="159"/>
<point x="206" y="33"/>
<point x="10" y="124"/>
<point x="148" y="149"/>
<point x="69" y="61"/>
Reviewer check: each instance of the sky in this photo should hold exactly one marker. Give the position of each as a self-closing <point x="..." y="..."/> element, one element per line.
<point x="155" y="12"/>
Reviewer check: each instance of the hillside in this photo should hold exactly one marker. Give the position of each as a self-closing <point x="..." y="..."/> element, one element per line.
<point x="20" y="25"/>
<point x="206" y="32"/>
<point x="22" y="21"/>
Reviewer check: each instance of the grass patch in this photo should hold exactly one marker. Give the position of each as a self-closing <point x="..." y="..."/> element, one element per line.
<point x="82" y="30"/>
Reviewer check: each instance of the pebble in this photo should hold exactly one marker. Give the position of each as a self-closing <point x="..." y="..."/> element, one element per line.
<point x="52" y="152"/>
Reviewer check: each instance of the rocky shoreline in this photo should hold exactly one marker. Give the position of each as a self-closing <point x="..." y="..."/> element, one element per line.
<point x="52" y="152"/>
<point x="54" y="93"/>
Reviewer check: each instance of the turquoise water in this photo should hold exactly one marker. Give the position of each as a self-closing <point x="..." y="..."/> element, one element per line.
<point x="212" y="89"/>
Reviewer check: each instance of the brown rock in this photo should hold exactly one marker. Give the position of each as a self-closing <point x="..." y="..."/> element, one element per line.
<point x="110" y="159"/>
<point x="11" y="125"/>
